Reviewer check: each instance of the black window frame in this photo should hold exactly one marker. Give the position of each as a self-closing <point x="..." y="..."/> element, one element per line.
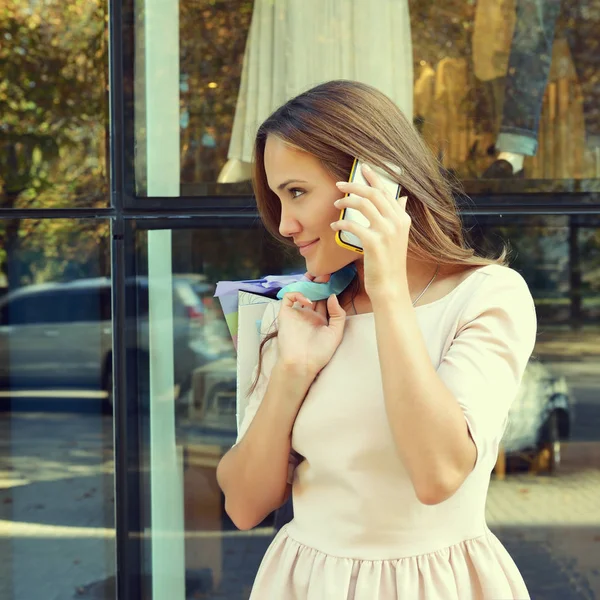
<point x="235" y="207"/>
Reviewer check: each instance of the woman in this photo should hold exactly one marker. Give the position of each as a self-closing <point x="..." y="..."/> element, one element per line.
<point x="395" y="394"/>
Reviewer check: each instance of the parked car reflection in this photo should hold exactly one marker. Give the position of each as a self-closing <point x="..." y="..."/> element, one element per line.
<point x="540" y="419"/>
<point x="60" y="334"/>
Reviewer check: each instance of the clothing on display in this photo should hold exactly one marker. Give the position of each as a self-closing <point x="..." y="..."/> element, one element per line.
<point x="294" y="45"/>
<point x="528" y="69"/>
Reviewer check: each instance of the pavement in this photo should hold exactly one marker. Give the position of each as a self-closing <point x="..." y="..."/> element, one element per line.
<point x="551" y="525"/>
<point x="56" y="504"/>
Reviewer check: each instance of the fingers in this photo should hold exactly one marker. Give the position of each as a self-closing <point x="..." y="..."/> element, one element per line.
<point x="375" y="197"/>
<point x="373" y="179"/>
<point x="375" y="192"/>
<point x="366" y="207"/>
<point x="322" y="279"/>
<point x="337" y="315"/>
<point x="364" y="234"/>
<point x="290" y="299"/>
<point x="334" y="308"/>
<point x="317" y="278"/>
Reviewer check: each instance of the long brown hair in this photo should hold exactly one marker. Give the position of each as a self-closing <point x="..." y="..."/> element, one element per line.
<point x="339" y="120"/>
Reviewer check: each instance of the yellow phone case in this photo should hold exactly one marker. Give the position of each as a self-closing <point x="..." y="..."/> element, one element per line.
<point x="347" y="244"/>
<point x="338" y="234"/>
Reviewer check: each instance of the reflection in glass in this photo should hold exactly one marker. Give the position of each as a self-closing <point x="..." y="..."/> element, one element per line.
<point x="504" y="94"/>
<point x="551" y="446"/>
<point x="53" y="104"/>
<point x="201" y="410"/>
<point x="213" y="38"/>
<point x="543" y="498"/>
<point x="500" y="90"/>
<point x="56" y="457"/>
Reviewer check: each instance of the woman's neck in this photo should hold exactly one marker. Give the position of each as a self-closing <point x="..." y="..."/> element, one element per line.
<point x="355" y="299"/>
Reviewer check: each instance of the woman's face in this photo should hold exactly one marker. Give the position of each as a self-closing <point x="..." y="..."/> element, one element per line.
<point x="307" y="193"/>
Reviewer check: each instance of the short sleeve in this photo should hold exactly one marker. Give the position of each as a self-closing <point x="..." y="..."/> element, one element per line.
<point x="485" y="362"/>
<point x="269" y="357"/>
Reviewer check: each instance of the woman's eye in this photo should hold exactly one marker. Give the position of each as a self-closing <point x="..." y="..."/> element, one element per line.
<point x="296" y="192"/>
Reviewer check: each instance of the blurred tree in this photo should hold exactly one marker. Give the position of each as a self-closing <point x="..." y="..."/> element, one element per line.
<point x="53" y="120"/>
<point x="213" y="39"/>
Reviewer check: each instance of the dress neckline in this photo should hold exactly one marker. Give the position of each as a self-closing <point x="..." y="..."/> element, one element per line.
<point x="439" y="300"/>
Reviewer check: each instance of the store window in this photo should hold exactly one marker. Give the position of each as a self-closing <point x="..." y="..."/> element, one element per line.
<point x="53" y="104"/>
<point x="57" y="533"/>
<point x="188" y="380"/>
<point x="500" y="90"/>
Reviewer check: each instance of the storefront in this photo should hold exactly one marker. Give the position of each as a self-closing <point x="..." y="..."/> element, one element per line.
<point x="126" y="132"/>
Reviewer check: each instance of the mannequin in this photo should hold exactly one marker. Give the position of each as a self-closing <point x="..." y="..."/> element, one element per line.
<point x="294" y="44"/>
<point x="527" y="70"/>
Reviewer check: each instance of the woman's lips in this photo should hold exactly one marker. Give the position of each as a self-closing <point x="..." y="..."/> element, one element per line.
<point x="304" y="248"/>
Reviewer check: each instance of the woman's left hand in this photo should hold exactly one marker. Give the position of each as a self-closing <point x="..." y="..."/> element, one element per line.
<point x="385" y="242"/>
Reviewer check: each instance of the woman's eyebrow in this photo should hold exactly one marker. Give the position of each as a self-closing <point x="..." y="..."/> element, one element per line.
<point x="286" y="183"/>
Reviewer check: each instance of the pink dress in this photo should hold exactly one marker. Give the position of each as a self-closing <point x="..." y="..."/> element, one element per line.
<point x="359" y="532"/>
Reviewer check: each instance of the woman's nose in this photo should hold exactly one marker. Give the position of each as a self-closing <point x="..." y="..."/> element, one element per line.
<point x="288" y="224"/>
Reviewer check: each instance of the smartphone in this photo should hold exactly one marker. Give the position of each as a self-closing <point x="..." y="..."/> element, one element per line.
<point x="346" y="239"/>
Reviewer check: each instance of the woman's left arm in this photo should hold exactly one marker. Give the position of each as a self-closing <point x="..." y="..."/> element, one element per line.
<point x="427" y="422"/>
<point x="443" y="420"/>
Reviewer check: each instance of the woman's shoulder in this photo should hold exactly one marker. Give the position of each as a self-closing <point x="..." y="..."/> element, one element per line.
<point x="499" y="307"/>
<point x="497" y="286"/>
<point x="460" y="285"/>
<point x="497" y="275"/>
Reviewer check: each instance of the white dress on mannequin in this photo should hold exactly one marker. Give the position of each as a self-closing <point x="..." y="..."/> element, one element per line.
<point x="294" y="45"/>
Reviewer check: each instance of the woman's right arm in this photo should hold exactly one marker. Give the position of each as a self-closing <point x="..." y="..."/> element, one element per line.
<point x="253" y="474"/>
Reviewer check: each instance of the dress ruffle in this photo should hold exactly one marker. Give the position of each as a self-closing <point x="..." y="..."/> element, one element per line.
<point x="476" y="569"/>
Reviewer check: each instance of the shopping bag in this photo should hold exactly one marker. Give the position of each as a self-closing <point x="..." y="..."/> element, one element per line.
<point x="244" y="303"/>
<point x="252" y="313"/>
<point x="251" y="309"/>
<point x="228" y="294"/>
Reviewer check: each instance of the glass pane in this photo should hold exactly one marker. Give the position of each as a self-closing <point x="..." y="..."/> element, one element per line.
<point x="57" y="532"/>
<point x="189" y="386"/>
<point x="482" y="81"/>
<point x="53" y="104"/>
<point x="542" y="503"/>
<point x="540" y="508"/>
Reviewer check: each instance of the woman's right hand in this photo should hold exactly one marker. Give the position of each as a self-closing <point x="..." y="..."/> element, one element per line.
<point x="309" y="332"/>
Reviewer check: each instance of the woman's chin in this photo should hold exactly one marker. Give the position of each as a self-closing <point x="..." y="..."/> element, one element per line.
<point x="322" y="270"/>
<point x="316" y="270"/>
